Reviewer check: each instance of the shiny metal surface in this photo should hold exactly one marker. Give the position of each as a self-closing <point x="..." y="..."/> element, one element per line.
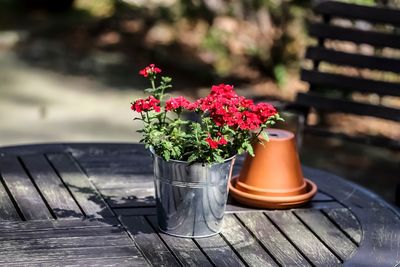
<point x="191" y="199"/>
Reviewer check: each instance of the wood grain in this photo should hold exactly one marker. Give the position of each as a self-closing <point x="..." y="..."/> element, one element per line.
<point x="381" y="238"/>
<point x="148" y="241"/>
<point x="50" y="185"/>
<point x="333" y="237"/>
<point x="187" y="252"/>
<point x="241" y="240"/>
<point x="307" y="242"/>
<point x="282" y="250"/>
<point x="218" y="251"/>
<point x="80" y="187"/>
<point x="23" y="190"/>
<point x="7" y="209"/>
<point x="347" y="222"/>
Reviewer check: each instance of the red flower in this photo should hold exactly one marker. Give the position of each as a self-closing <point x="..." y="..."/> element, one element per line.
<point x="215" y="143"/>
<point x="212" y="143"/>
<point x="177" y="102"/>
<point x="222" y="141"/>
<point x="264" y="111"/>
<point x="149" y="70"/>
<point x="246" y="103"/>
<point x="223" y="90"/>
<point x="250" y="121"/>
<point x="148" y="104"/>
<point x="192" y="106"/>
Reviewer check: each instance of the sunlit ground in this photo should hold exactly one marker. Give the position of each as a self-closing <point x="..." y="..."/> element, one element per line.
<point x="43" y="106"/>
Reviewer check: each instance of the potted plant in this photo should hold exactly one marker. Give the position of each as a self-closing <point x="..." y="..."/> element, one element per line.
<point x="193" y="159"/>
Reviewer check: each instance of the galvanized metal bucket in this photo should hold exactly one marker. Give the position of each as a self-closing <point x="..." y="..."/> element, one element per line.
<point x="191" y="198"/>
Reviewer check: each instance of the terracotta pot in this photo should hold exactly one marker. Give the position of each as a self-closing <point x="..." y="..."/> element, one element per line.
<point x="273" y="178"/>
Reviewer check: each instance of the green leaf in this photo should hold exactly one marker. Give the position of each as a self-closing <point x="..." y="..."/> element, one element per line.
<point x="265" y="136"/>
<point x="192" y="158"/>
<point x="176" y="152"/>
<point x="151" y="90"/>
<point x="218" y="158"/>
<point x="166" y="79"/>
<point x="249" y="148"/>
<point x="166" y="155"/>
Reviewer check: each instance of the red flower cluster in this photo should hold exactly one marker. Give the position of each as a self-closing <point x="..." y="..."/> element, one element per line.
<point x="177" y="102"/>
<point x="227" y="108"/>
<point x="215" y="143"/>
<point x="149" y="70"/>
<point x="147" y="104"/>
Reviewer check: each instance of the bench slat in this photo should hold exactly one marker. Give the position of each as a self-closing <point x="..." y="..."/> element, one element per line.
<point x="351" y="84"/>
<point x="339" y="105"/>
<point x="351" y="11"/>
<point x="357" y="36"/>
<point x="355" y="60"/>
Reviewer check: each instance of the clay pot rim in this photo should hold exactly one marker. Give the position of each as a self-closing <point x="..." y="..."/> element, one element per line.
<point x="270" y="133"/>
<point x="263" y="191"/>
<point x="297" y="199"/>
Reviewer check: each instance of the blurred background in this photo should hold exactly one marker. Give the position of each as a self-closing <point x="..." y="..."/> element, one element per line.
<point x="69" y="70"/>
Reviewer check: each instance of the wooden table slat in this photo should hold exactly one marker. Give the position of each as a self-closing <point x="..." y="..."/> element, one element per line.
<point x="7" y="209"/>
<point x="108" y="180"/>
<point x="52" y="188"/>
<point x="282" y="250"/>
<point x="346" y="221"/>
<point x="310" y="246"/>
<point x="59" y="233"/>
<point x="81" y="253"/>
<point x="381" y="239"/>
<point x="328" y="233"/>
<point x="20" y="226"/>
<point x="148" y="241"/>
<point x="320" y="196"/>
<point x="233" y="206"/>
<point x="64" y="242"/>
<point x="125" y="261"/>
<point x="346" y="193"/>
<point x="219" y="251"/>
<point x="241" y="240"/>
<point x="83" y="191"/>
<point x="185" y="249"/>
<point x="130" y="197"/>
<point x="23" y="190"/>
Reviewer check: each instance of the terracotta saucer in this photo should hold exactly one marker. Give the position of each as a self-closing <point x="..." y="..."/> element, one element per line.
<point x="272" y="202"/>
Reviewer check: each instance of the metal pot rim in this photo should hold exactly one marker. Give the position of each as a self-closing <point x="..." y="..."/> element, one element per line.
<point x="151" y="149"/>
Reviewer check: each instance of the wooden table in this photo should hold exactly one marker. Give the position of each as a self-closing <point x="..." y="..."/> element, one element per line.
<point x="93" y="205"/>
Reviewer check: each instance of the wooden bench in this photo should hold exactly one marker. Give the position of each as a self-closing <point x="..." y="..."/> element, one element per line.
<point x="337" y="74"/>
